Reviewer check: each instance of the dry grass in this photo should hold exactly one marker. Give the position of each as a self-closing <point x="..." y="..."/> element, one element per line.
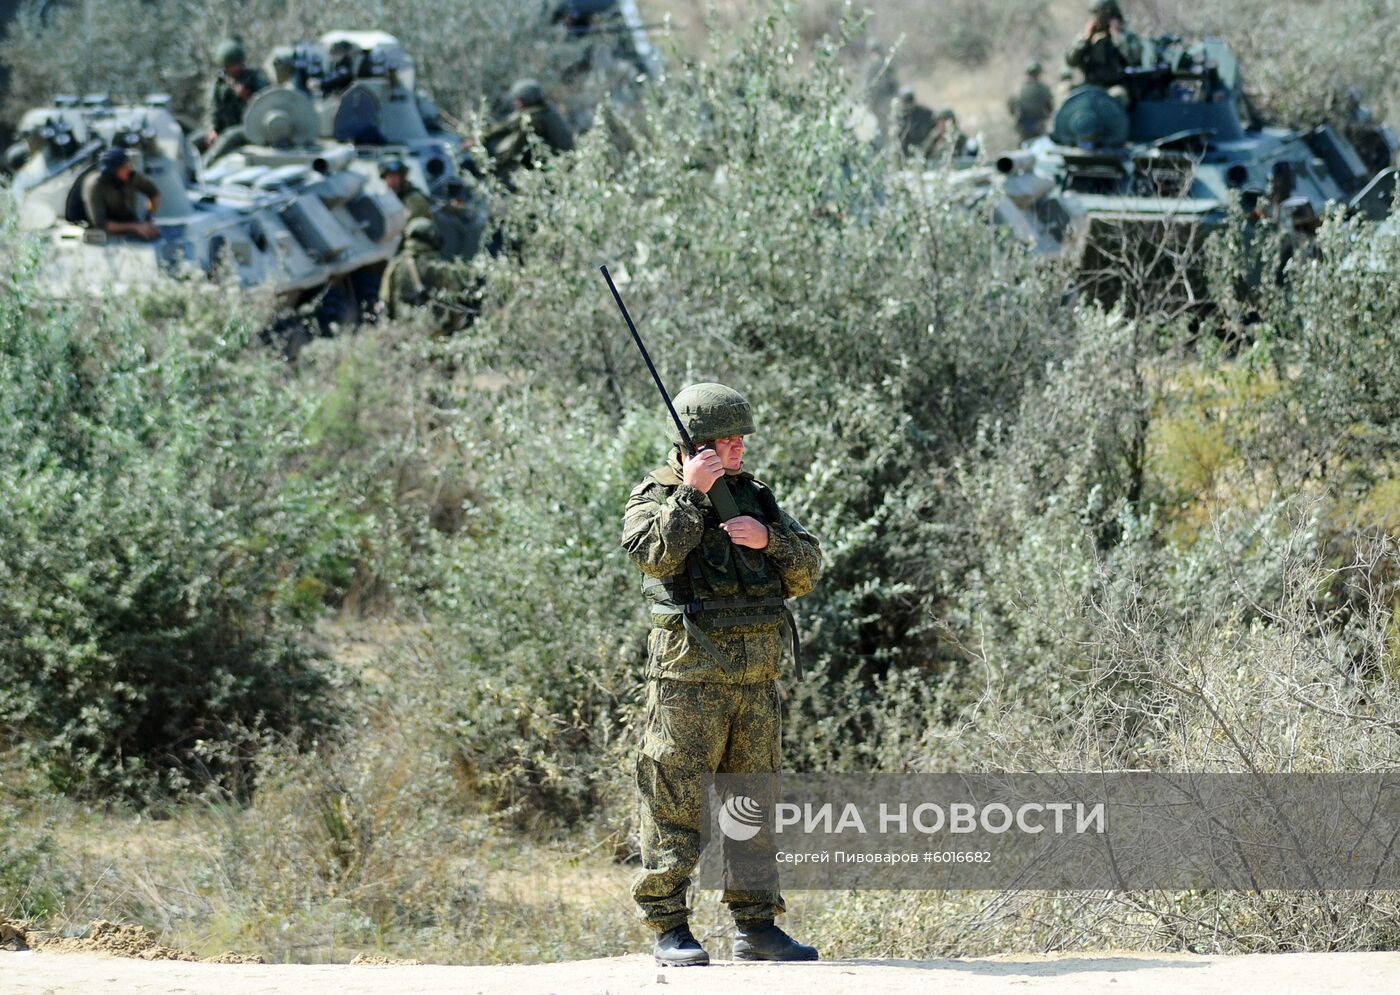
<point x="918" y="34"/>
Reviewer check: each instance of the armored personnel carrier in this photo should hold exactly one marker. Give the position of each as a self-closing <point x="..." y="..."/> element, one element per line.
<point x="293" y="229"/>
<point x="354" y="95"/>
<point x="1129" y="191"/>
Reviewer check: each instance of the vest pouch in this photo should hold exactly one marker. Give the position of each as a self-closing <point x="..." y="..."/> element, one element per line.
<point x="756" y="576"/>
<point x="714" y="561"/>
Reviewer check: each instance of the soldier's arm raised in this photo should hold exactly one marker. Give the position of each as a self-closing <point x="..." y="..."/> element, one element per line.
<point x="660" y="530"/>
<point x="1075" y="55"/>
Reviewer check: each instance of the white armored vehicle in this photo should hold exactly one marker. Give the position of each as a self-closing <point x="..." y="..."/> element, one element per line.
<point x="295" y="229"/>
<point x="358" y="91"/>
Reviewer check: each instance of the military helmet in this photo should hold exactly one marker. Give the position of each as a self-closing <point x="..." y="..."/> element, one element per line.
<point x="527" y="91"/>
<point x="230" y="51"/>
<point x="393" y="164"/>
<point x="422" y="231"/>
<point x="1109" y="8"/>
<point x="946" y="114"/>
<point x="113" y="159"/>
<point x="712" y="411"/>
<point x="1033" y="68"/>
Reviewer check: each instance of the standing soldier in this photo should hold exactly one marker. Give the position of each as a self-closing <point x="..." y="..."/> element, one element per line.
<point x="1033" y="105"/>
<point x="912" y="122"/>
<point x="229" y="94"/>
<point x="717" y="593"/>
<point x="1106" y="49"/>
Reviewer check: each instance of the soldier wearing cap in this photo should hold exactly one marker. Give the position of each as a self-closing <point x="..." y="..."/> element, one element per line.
<point x="1032" y="105"/>
<point x="415" y="201"/>
<point x="229" y="94"/>
<point x="717" y="592"/>
<point x="1106" y="49"/>
<point x="109" y="197"/>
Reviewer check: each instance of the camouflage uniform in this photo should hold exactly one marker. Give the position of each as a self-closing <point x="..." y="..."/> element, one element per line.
<point x="226" y="107"/>
<point x="417" y="278"/>
<point x="719" y="629"/>
<point x="912" y="123"/>
<point x="947" y="140"/>
<point x="1101" y="59"/>
<point x="1032" y="105"/>
<point x="415" y="202"/>
<point x="534" y="117"/>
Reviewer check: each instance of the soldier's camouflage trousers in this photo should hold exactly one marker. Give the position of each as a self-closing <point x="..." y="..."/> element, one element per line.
<point x="693" y="729"/>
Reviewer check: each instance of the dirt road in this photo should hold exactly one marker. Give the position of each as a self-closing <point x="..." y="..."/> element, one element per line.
<point x="1125" y="974"/>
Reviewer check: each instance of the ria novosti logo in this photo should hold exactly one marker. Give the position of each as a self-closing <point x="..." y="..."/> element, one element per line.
<point x="741" y="818"/>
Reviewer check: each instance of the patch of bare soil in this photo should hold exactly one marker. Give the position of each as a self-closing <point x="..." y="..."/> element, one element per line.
<point x="110" y="938"/>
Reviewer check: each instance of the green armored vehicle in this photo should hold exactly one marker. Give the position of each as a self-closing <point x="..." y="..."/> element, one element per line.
<point x="294" y="231"/>
<point x="1127" y="190"/>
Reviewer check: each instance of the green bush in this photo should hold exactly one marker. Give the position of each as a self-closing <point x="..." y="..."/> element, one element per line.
<point x="26" y="891"/>
<point x="154" y="537"/>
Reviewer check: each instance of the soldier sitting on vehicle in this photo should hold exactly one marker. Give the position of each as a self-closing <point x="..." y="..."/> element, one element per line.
<point x="346" y="66"/>
<point x="109" y="197"/>
<point x="1106" y="50"/>
<point x="415" y="201"/>
<point x="534" y="117"/>
<point x="418" y="279"/>
<point x="1032" y="105"/>
<point x="229" y="94"/>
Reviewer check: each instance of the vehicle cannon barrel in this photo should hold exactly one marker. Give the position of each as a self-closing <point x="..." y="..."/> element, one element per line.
<point x="1020" y="161"/>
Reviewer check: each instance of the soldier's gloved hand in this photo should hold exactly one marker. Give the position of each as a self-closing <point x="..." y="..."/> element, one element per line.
<point x="746" y="531"/>
<point x="702" y="470"/>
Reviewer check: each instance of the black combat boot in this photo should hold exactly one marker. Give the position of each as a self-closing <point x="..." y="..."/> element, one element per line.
<point x="678" y="948"/>
<point x="761" y="940"/>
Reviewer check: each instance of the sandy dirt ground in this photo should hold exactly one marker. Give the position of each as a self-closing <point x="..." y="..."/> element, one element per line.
<point x="52" y="973"/>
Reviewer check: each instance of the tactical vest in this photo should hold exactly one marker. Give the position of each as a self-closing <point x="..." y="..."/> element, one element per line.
<point x="723" y="585"/>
